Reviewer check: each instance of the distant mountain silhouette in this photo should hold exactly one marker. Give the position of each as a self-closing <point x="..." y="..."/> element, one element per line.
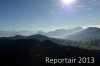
<point x="8" y="33"/>
<point x="43" y="38"/>
<point x="14" y="33"/>
<point x="89" y="33"/>
<point x="60" y="33"/>
<point x="38" y="37"/>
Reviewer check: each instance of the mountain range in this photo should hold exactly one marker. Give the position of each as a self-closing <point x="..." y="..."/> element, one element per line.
<point x="88" y="38"/>
<point x="60" y="33"/>
<point x="14" y="33"/>
<point x="42" y="38"/>
<point x="75" y="34"/>
<point x="88" y="33"/>
<point x="30" y="50"/>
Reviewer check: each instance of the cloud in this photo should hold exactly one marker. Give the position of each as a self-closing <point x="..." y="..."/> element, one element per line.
<point x="89" y="8"/>
<point x="95" y="2"/>
<point x="83" y="7"/>
<point x="90" y="4"/>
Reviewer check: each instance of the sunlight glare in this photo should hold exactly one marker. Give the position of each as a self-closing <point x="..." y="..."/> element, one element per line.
<point x="68" y="1"/>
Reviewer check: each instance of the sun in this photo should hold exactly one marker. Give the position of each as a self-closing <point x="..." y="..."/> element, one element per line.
<point x="68" y="1"/>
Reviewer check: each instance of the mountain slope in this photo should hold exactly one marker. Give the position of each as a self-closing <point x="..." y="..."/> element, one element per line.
<point x="43" y="38"/>
<point x="60" y="33"/>
<point x="89" y="33"/>
<point x="28" y="52"/>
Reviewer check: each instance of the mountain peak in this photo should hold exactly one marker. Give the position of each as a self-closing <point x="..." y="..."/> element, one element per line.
<point x="78" y="27"/>
<point x="93" y="28"/>
<point x="38" y="37"/>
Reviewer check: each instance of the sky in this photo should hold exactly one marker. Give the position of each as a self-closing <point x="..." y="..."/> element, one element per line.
<point x="48" y="14"/>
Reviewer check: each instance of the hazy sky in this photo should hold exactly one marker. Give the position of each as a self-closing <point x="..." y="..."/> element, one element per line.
<point x="48" y="14"/>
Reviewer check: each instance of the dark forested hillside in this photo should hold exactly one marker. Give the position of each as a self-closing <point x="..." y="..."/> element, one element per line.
<point x="27" y="52"/>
